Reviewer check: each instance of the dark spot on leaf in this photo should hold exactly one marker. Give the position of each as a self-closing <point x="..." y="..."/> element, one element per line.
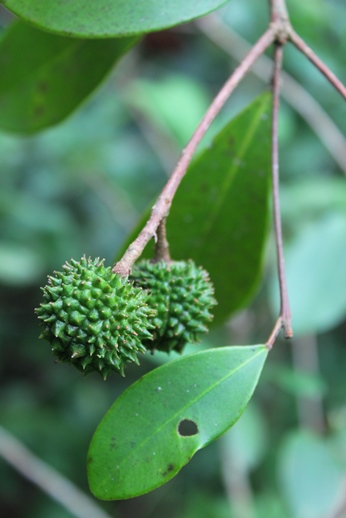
<point x="132" y="444"/>
<point x="170" y="468"/>
<point x="42" y="86"/>
<point x="187" y="428"/>
<point x="90" y="459"/>
<point x="39" y="110"/>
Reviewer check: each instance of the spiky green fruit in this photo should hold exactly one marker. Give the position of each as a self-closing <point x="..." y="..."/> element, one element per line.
<point x="93" y="318"/>
<point x="182" y="295"/>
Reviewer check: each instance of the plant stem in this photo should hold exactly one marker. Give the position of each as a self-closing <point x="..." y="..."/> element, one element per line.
<point x="285" y="312"/>
<point x="309" y="53"/>
<point x="161" y="208"/>
<point x="278" y="12"/>
<point x="162" y="246"/>
<point x="274" y="334"/>
<point x="292" y="91"/>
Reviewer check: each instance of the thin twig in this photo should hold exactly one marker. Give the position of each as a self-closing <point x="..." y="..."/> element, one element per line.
<point x="274" y="334"/>
<point x="285" y="312"/>
<point x="162" y="206"/>
<point x="278" y="11"/>
<point x="310" y="54"/>
<point x="47" y="479"/>
<point x="293" y="93"/>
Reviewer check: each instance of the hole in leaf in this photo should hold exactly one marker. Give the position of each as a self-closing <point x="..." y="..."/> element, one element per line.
<point x="187" y="428"/>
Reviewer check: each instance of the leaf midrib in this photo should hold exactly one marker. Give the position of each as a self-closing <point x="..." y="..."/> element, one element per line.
<point x="174" y="416"/>
<point x="229" y="178"/>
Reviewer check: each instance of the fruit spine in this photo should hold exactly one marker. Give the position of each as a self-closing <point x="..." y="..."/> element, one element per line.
<point x="181" y="295"/>
<point x="94" y="319"/>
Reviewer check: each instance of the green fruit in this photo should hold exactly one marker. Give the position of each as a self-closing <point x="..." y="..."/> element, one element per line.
<point x="182" y="295"/>
<point x="94" y="318"/>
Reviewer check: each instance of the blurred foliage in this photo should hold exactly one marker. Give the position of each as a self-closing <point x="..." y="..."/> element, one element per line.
<point x="80" y="187"/>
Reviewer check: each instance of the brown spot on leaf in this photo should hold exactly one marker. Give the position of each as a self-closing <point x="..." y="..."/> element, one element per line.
<point x="169" y="468"/>
<point x="42" y="86"/>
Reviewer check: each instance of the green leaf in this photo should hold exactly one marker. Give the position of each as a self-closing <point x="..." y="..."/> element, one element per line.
<point x="246" y="443"/>
<point x="311" y="479"/>
<point x="295" y="382"/>
<point x="220" y="214"/>
<point x="44" y="77"/>
<point x="316" y="275"/>
<point x="109" y="18"/>
<point x="219" y="217"/>
<point x="159" y="422"/>
<point x="308" y="199"/>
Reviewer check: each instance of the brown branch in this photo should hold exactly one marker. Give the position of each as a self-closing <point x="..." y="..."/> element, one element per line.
<point x="293" y="92"/>
<point x="278" y="11"/>
<point x="310" y="54"/>
<point x="285" y="312"/>
<point x="274" y="334"/>
<point x="162" y="246"/>
<point x="162" y="206"/>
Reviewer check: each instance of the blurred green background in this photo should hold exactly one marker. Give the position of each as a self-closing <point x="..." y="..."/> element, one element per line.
<point x="80" y="187"/>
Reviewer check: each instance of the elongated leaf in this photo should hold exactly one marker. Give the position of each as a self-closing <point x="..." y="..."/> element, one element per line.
<point x="44" y="77"/>
<point x="220" y="213"/>
<point x="219" y="217"/>
<point x="157" y="424"/>
<point x="107" y="18"/>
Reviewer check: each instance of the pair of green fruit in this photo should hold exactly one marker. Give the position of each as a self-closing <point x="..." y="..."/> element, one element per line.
<point x="99" y="321"/>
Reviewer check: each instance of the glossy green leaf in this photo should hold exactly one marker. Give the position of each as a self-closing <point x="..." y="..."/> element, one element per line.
<point x="44" y="77"/>
<point x="155" y="427"/>
<point x="220" y="214"/>
<point x="219" y="217"/>
<point x="316" y="275"/>
<point x="109" y="18"/>
<point x="311" y="478"/>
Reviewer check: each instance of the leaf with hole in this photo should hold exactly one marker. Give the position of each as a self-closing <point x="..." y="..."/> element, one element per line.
<point x="44" y="77"/>
<point x="220" y="213"/>
<point x="157" y="425"/>
<point x="109" y="18"/>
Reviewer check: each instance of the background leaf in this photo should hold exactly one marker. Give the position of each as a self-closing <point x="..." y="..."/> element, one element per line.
<point x="246" y="442"/>
<point x="310" y="476"/>
<point x="316" y="275"/>
<point x="137" y="446"/>
<point x="219" y="216"/>
<point x="188" y="102"/>
<point x="44" y="77"/>
<point x="107" y="18"/>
